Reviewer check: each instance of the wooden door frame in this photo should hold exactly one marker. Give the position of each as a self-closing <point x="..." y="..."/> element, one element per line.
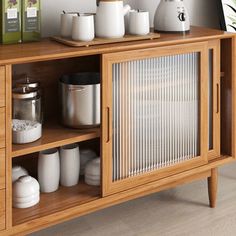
<point x="214" y="45"/>
<point x="109" y="187"/>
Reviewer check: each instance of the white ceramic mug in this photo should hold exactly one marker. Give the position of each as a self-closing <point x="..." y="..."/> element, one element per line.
<point x="83" y="27"/>
<point x="66" y="24"/>
<point x="70" y="165"/>
<point x="49" y="170"/>
<point x="139" y="22"/>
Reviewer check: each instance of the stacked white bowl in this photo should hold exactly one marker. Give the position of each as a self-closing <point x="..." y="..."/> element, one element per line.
<point x="25" y="192"/>
<point x="17" y="172"/>
<point x="92" y="172"/>
<point x="86" y="155"/>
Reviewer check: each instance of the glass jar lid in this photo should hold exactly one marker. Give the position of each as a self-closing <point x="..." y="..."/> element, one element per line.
<point x="24" y="93"/>
<point x="26" y="81"/>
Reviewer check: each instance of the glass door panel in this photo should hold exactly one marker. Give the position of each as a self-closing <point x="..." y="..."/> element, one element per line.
<point x="155" y="114"/>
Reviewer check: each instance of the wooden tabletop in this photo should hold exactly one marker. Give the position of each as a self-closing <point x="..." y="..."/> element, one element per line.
<point x="48" y="49"/>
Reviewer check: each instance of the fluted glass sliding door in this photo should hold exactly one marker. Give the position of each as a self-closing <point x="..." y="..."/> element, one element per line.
<point x="155" y="114"/>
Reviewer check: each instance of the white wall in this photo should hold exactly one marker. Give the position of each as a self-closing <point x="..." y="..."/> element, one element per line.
<point x="202" y="12"/>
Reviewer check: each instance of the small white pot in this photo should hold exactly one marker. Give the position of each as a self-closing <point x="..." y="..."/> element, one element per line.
<point x="70" y="165"/>
<point x="17" y="172"/>
<point x="83" y="28"/>
<point x="139" y="23"/>
<point x="49" y="170"/>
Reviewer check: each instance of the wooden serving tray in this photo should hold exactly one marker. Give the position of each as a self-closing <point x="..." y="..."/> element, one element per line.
<point x="102" y="41"/>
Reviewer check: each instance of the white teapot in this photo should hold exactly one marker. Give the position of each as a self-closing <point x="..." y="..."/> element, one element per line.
<point x="109" y="19"/>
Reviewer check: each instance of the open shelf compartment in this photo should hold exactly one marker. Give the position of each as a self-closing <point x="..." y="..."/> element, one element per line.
<point x="62" y="199"/>
<point x="48" y="74"/>
<point x="55" y="135"/>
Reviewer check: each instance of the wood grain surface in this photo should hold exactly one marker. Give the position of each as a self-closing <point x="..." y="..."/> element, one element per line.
<point x="2" y="169"/>
<point x="55" y="135"/>
<point x="62" y="199"/>
<point x="2" y="210"/>
<point x="49" y="50"/>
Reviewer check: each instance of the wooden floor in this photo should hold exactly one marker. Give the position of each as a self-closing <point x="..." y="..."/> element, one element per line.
<point x="182" y="211"/>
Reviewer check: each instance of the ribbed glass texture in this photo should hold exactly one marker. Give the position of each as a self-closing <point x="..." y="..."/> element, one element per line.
<point x="155" y="113"/>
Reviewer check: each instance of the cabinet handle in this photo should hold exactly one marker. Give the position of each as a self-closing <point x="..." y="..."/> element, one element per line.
<point x="217" y="98"/>
<point x="108" y="124"/>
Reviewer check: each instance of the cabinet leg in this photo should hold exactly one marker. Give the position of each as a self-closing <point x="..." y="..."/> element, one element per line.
<point x="212" y="187"/>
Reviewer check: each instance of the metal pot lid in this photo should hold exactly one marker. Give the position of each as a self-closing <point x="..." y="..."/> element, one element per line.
<point x="24" y="93"/>
<point x="27" y="82"/>
<point x="83" y="78"/>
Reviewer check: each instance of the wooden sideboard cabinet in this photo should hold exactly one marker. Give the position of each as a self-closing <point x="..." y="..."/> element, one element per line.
<point x="2" y="148"/>
<point x="167" y="118"/>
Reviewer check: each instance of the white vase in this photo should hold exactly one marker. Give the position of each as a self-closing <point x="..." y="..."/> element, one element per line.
<point x="49" y="170"/>
<point x="70" y="165"/>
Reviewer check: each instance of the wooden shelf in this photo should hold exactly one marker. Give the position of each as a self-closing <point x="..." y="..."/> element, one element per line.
<point x="60" y="200"/>
<point x="55" y="135"/>
<point x="49" y="50"/>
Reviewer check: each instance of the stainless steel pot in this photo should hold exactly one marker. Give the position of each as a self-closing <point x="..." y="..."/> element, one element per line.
<point x="80" y="100"/>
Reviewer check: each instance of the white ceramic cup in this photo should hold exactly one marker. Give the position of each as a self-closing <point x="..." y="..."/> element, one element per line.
<point x="66" y="24"/>
<point x="49" y="170"/>
<point x="139" y="22"/>
<point x="83" y="27"/>
<point x="70" y="165"/>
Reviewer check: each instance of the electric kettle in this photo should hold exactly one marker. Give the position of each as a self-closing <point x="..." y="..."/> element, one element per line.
<point x="109" y="19"/>
<point x="171" y="16"/>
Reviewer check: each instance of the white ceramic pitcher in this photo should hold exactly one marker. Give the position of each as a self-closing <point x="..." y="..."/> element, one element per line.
<point x="109" y="20"/>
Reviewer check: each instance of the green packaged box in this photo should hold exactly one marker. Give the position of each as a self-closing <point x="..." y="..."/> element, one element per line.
<point x="10" y="19"/>
<point x="31" y="20"/>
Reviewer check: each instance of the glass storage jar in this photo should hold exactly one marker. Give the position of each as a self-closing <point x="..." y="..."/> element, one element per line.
<point x="27" y="115"/>
<point x="26" y="81"/>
